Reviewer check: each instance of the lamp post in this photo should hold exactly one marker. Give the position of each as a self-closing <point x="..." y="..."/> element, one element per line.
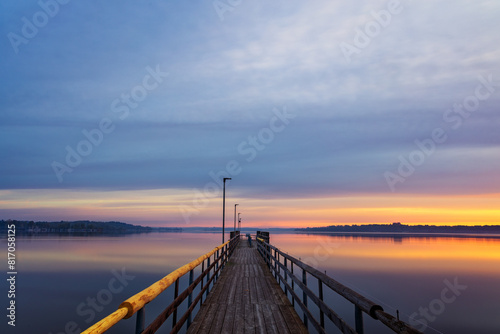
<point x="239" y="221"/>
<point x="224" y="205"/>
<point x="235" y="216"/>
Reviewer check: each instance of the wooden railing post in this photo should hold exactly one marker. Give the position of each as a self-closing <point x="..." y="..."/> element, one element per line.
<point x="208" y="279"/>
<point x="216" y="265"/>
<point x="304" y="295"/>
<point x="275" y="265"/>
<point x="321" y="313"/>
<point x="203" y="276"/>
<point x="279" y="267"/>
<point x="286" y="277"/>
<point x="176" y="294"/>
<point x="141" y="318"/>
<point x="293" y="284"/>
<point x="269" y="256"/>
<point x="190" y="297"/>
<point x="358" y="319"/>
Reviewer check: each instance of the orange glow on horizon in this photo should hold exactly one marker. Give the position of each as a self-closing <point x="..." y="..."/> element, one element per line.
<point x="168" y="207"/>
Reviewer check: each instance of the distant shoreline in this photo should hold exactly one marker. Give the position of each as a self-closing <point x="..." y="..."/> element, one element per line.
<point x="399" y="230"/>
<point x="404" y="235"/>
<point x="394" y="230"/>
<point x="79" y="228"/>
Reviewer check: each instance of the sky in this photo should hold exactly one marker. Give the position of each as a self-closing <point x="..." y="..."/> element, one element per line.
<point x="321" y="113"/>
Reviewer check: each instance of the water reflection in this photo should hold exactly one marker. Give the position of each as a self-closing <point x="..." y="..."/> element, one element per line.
<point x="409" y="274"/>
<point x="59" y="273"/>
<point x="411" y="254"/>
<point x="152" y="253"/>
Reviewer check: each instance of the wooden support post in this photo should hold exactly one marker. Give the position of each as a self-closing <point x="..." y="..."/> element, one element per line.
<point x="358" y="319"/>
<point x="226" y="257"/>
<point x="216" y="260"/>
<point x="279" y="269"/>
<point x="286" y="277"/>
<point x="223" y="257"/>
<point x="293" y="284"/>
<point x="190" y="297"/>
<point x="176" y="294"/>
<point x="208" y="279"/>
<point x="201" y="289"/>
<point x="275" y="266"/>
<point x="269" y="256"/>
<point x="321" y="313"/>
<point x="304" y="295"/>
<point x="141" y="318"/>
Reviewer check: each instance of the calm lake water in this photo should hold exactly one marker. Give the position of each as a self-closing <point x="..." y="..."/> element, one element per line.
<point x="440" y="285"/>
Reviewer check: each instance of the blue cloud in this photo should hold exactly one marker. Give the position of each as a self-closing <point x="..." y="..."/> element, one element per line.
<point x="353" y="120"/>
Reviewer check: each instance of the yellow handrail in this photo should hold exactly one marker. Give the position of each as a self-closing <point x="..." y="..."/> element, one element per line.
<point x="130" y="306"/>
<point x="108" y="322"/>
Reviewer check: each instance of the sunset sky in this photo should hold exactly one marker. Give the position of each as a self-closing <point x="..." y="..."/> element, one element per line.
<point x="324" y="112"/>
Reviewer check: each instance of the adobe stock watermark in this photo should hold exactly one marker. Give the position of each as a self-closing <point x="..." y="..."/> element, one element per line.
<point x="89" y="308"/>
<point x="363" y="37"/>
<point x="248" y="149"/>
<point x="437" y="306"/>
<point x="322" y="252"/>
<point x="454" y="118"/>
<point x="223" y="6"/>
<point x="31" y="27"/>
<point x="121" y="107"/>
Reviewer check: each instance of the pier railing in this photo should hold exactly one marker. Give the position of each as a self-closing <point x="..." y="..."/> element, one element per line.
<point x="282" y="266"/>
<point x="211" y="264"/>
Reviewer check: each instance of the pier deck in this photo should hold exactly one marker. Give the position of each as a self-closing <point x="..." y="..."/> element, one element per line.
<point x="247" y="299"/>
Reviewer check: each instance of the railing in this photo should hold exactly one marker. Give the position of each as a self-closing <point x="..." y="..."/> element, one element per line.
<point x="138" y="302"/>
<point x="284" y="274"/>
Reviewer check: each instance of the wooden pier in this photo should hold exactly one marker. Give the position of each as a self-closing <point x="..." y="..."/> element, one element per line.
<point x="247" y="299"/>
<point x="245" y="289"/>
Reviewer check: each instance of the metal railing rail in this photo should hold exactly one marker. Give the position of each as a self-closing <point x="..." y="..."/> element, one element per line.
<point x="137" y="303"/>
<point x="283" y="274"/>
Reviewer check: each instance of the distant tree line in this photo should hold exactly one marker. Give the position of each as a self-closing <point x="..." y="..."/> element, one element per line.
<point x="403" y="228"/>
<point x="81" y="226"/>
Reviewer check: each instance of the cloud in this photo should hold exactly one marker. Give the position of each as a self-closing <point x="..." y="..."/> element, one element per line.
<point x="225" y="77"/>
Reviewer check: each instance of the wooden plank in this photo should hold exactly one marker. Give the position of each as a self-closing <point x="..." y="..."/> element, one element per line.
<point x="260" y="290"/>
<point x="202" y="321"/>
<point x="271" y="327"/>
<point x="279" y="294"/>
<point x="278" y="318"/>
<point x="229" y="319"/>
<point x="223" y="289"/>
<point x="218" y="320"/>
<point x="260" y="326"/>
<point x="246" y="290"/>
<point x="247" y="299"/>
<point x="249" y="319"/>
<point x="253" y="289"/>
<point x="292" y="319"/>
<point x="238" y="292"/>
<point x="267" y="293"/>
<point x="239" y="318"/>
<point x="233" y="284"/>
